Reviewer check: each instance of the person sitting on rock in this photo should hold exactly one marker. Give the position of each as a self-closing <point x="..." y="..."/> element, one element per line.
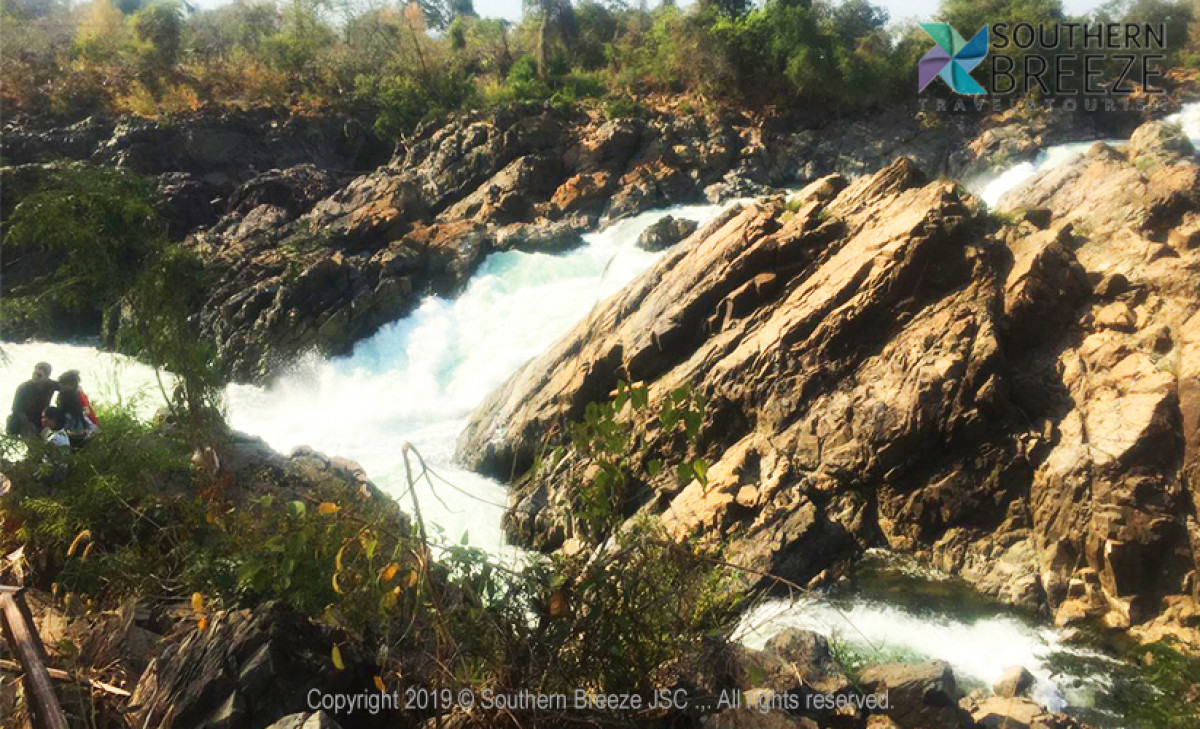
<point x="55" y="463"/>
<point x="32" y="397"/>
<point x="78" y="417"/>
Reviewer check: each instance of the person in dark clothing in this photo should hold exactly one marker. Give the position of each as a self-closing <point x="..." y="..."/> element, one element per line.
<point x="73" y="405"/>
<point x="32" y="398"/>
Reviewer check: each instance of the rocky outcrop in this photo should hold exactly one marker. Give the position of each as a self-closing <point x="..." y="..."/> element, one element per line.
<point x="919" y="695"/>
<point x="314" y="241"/>
<point x="249" y="668"/>
<point x="1110" y="497"/>
<point x="666" y="232"/>
<point x="531" y="178"/>
<point x="1015" y="681"/>
<point x="884" y="366"/>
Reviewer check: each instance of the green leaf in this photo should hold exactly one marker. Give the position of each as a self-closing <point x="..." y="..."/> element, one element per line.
<point x="700" y="468"/>
<point x="465" y="537"/>
<point x="640" y="397"/>
<point x="296" y="508"/>
<point x="684" y="473"/>
<point x="681" y="393"/>
<point x="756" y="674"/>
<point x="654" y="467"/>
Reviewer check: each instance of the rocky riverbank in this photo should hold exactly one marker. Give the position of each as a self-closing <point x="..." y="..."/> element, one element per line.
<point x="1007" y="398"/>
<point x="316" y="234"/>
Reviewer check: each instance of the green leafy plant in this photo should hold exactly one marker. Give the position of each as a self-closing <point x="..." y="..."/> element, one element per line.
<point x="73" y="245"/>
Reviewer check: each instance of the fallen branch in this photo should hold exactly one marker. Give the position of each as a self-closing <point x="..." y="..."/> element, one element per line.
<point x="60" y="675"/>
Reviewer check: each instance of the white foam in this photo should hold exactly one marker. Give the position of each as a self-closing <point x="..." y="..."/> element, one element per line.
<point x="1189" y="118"/>
<point x="995" y="184"/>
<point x="992" y="186"/>
<point x="979" y="650"/>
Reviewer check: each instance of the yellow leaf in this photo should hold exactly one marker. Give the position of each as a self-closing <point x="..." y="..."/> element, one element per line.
<point x="197" y="602"/>
<point x="337" y="659"/>
<point x="328" y="507"/>
<point x="389" y="572"/>
<point x="337" y="560"/>
<point x="202" y="625"/>
<point x="558" y="604"/>
<point x="87" y="552"/>
<point x="413" y="577"/>
<point x="379" y="685"/>
<point x="336" y="587"/>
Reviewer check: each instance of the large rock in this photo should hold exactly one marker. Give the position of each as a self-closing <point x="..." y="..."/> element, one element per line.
<point x="666" y="232"/>
<point x="882" y="368"/>
<point x="766" y="315"/>
<point x="918" y="695"/>
<point x="1016" y="681"/>
<point x="248" y="668"/>
<point x="1109" y="497"/>
<point x="997" y="712"/>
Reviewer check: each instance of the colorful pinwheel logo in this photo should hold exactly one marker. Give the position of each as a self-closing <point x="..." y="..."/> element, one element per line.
<point x="953" y="58"/>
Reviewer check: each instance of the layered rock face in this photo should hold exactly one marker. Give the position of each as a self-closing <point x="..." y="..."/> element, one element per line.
<point x="886" y="366"/>
<point x="331" y="268"/>
<point x="314" y="238"/>
<point x="1112" y="520"/>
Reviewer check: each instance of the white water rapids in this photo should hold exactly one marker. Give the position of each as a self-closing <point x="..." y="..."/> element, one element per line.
<point x="417" y="380"/>
<point x="993" y="185"/>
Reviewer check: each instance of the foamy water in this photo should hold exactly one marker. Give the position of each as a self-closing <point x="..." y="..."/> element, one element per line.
<point x="416" y="380"/>
<point x="978" y="647"/>
<point x="994" y="184"/>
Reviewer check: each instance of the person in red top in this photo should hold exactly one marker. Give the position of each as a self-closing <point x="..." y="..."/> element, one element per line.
<point x="77" y="412"/>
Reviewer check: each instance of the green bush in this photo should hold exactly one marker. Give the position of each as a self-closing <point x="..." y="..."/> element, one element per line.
<point x="131" y="516"/>
<point x="404" y="101"/>
<point x="72" y="247"/>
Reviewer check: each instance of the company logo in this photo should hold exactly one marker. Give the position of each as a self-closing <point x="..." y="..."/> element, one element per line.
<point x="952" y="58"/>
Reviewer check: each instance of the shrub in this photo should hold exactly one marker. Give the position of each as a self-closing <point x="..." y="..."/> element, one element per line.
<point x="73" y="245"/>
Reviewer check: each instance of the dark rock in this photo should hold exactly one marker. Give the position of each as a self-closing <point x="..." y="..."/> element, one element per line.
<point x="248" y="668"/>
<point x="185" y="203"/>
<point x="808" y="654"/>
<point x="295" y="190"/>
<point x="666" y="232"/>
<point x="919" y="695"/>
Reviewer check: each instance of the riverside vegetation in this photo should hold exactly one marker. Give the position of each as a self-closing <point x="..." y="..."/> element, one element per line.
<point x="181" y="510"/>
<point x="403" y="64"/>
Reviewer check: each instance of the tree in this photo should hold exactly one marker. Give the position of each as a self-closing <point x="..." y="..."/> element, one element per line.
<point x="728" y="8"/>
<point x="160" y="27"/>
<point x="555" y="25"/>
<point x="597" y="27"/>
<point x="855" y="19"/>
<point x="439" y="14"/>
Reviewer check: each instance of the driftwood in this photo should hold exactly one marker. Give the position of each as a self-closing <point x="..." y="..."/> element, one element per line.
<point x="60" y="675"/>
<point x="27" y="646"/>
